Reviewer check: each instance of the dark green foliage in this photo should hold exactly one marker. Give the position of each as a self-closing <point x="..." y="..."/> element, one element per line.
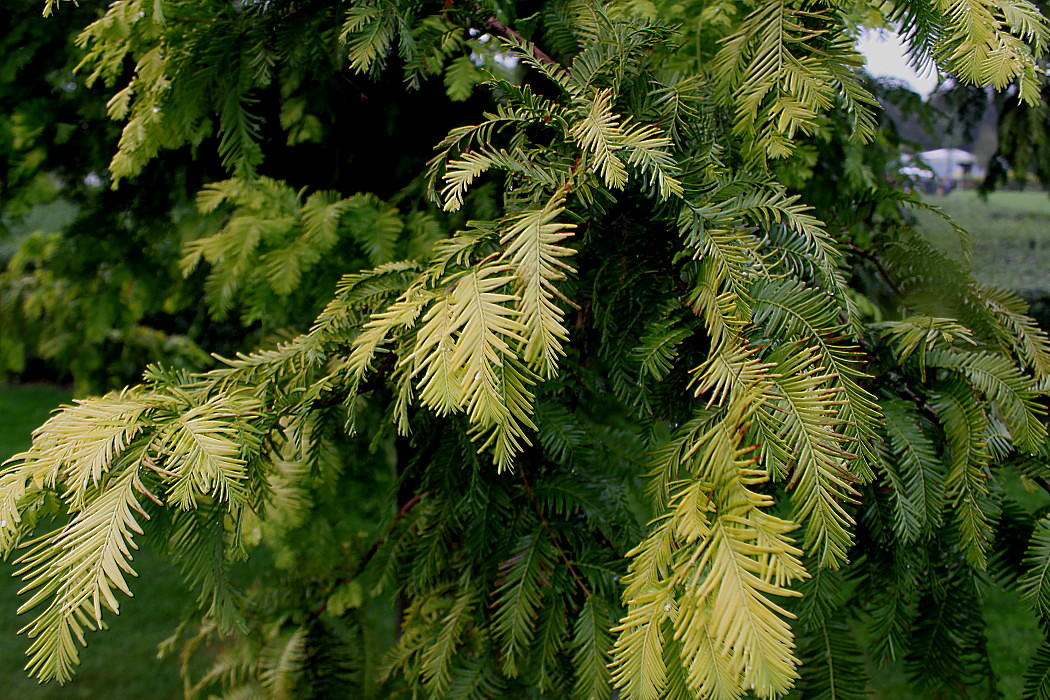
<point x="1037" y="680"/>
<point x="947" y="656"/>
<point x="832" y="659"/>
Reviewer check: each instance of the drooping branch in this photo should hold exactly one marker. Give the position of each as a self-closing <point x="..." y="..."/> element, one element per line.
<point x="550" y="533"/>
<point x="496" y="28"/>
<point x="931" y="414"/>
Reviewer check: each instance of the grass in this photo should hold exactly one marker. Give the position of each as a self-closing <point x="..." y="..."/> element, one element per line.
<point x="120" y="663"/>
<point x="1011" y="248"/>
<point x="1011" y="236"/>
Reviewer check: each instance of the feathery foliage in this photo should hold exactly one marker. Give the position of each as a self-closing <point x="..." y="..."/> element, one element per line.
<point x="589" y="383"/>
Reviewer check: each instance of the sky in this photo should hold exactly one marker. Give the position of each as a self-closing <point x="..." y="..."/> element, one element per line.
<point x="885" y="55"/>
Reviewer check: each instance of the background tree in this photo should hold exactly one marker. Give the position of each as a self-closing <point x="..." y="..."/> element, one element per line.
<point x="90" y="283"/>
<point x="636" y="357"/>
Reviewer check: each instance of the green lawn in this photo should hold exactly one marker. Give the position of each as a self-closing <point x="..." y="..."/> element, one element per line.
<point x="121" y="663"/>
<point x="1011" y="236"/>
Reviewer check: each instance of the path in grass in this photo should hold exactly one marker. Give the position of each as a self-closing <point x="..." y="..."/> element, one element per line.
<point x="121" y="663"/>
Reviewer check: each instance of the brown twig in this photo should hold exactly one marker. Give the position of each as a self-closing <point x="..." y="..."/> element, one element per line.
<point x="496" y="28"/>
<point x="1043" y="483"/>
<point x="921" y="404"/>
<point x="870" y="257"/>
<point x="550" y="533"/>
<point x="373" y="382"/>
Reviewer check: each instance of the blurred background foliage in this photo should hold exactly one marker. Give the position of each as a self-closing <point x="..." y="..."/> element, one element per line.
<point x="93" y="285"/>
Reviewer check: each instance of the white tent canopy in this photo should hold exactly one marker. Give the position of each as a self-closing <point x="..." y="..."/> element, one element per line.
<point x="951" y="163"/>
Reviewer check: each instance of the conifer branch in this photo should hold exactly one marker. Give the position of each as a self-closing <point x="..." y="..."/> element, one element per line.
<point x="550" y="533"/>
<point x="496" y="28"/>
<point x="879" y="265"/>
<point x="731" y="341"/>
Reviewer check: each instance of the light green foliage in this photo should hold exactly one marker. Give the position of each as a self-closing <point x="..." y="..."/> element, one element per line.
<point x="715" y="550"/>
<point x="273" y="239"/>
<point x="779" y="82"/>
<point x="193" y="452"/>
<point x="979" y="41"/>
<point x="533" y="250"/>
<point x="572" y="477"/>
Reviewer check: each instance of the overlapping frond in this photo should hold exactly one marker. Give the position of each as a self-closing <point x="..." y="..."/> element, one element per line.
<point x="1027" y="341"/>
<point x="638" y="652"/>
<point x="1003" y="384"/>
<point x="203" y="448"/>
<point x="966" y="483"/>
<point x="282" y="663"/>
<point x="658" y="348"/>
<point x="1035" y="584"/>
<point x="592" y="641"/>
<point x="914" y="472"/>
<point x="600" y="133"/>
<point x="809" y="315"/>
<point x="733" y="253"/>
<point x="1037" y="677"/>
<point x="804" y="420"/>
<point x="378" y="330"/>
<point x="438" y="654"/>
<point x="476" y="680"/>
<point x="76" y="572"/>
<point x="519" y="596"/>
<point x="78" y="445"/>
<point x="773" y="207"/>
<point x="274" y="238"/>
<point x="486" y="329"/>
<point x="916" y="335"/>
<point x="468" y="151"/>
<point x="533" y="248"/>
<point x="983" y="42"/>
<point x="711" y="568"/>
<point x="947" y="648"/>
<point x="368" y="31"/>
<point x="648" y="149"/>
<point x="461" y="172"/>
<point x="832" y="666"/>
<point x="441" y="388"/>
<point x="779" y="83"/>
<point x="198" y="549"/>
<point x="721" y="341"/>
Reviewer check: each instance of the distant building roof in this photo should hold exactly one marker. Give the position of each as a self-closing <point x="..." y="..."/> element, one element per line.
<point x="947" y="163"/>
<point x="948" y="155"/>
